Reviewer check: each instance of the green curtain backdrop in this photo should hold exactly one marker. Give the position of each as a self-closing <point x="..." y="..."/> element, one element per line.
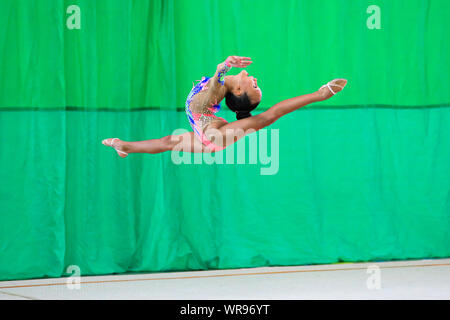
<point x="364" y="176"/>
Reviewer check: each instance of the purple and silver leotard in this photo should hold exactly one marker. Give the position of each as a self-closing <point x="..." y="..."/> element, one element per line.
<point x="199" y="112"/>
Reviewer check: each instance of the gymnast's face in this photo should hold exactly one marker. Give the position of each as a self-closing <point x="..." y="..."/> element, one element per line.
<point x="249" y="84"/>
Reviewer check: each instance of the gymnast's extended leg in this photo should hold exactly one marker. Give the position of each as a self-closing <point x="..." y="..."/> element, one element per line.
<point x="233" y="131"/>
<point x="186" y="142"/>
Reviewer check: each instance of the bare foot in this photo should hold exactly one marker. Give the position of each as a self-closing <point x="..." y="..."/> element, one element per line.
<point x="118" y="145"/>
<point x="336" y="85"/>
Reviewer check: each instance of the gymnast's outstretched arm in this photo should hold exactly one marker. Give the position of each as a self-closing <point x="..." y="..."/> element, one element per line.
<point x="216" y="84"/>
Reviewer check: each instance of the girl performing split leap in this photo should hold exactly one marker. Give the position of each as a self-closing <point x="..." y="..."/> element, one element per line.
<point x="212" y="133"/>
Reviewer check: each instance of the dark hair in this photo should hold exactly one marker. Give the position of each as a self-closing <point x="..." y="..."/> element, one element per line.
<point x="241" y="105"/>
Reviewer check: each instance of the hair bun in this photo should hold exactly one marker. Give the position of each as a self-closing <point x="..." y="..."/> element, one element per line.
<point x="242" y="115"/>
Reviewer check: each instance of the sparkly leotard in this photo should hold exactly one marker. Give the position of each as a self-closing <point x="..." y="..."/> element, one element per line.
<point x="199" y="109"/>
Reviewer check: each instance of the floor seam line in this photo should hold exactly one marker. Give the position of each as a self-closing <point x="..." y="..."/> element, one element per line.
<point x="222" y="275"/>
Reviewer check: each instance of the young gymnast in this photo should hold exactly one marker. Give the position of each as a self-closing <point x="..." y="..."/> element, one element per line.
<point x="211" y="133"/>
